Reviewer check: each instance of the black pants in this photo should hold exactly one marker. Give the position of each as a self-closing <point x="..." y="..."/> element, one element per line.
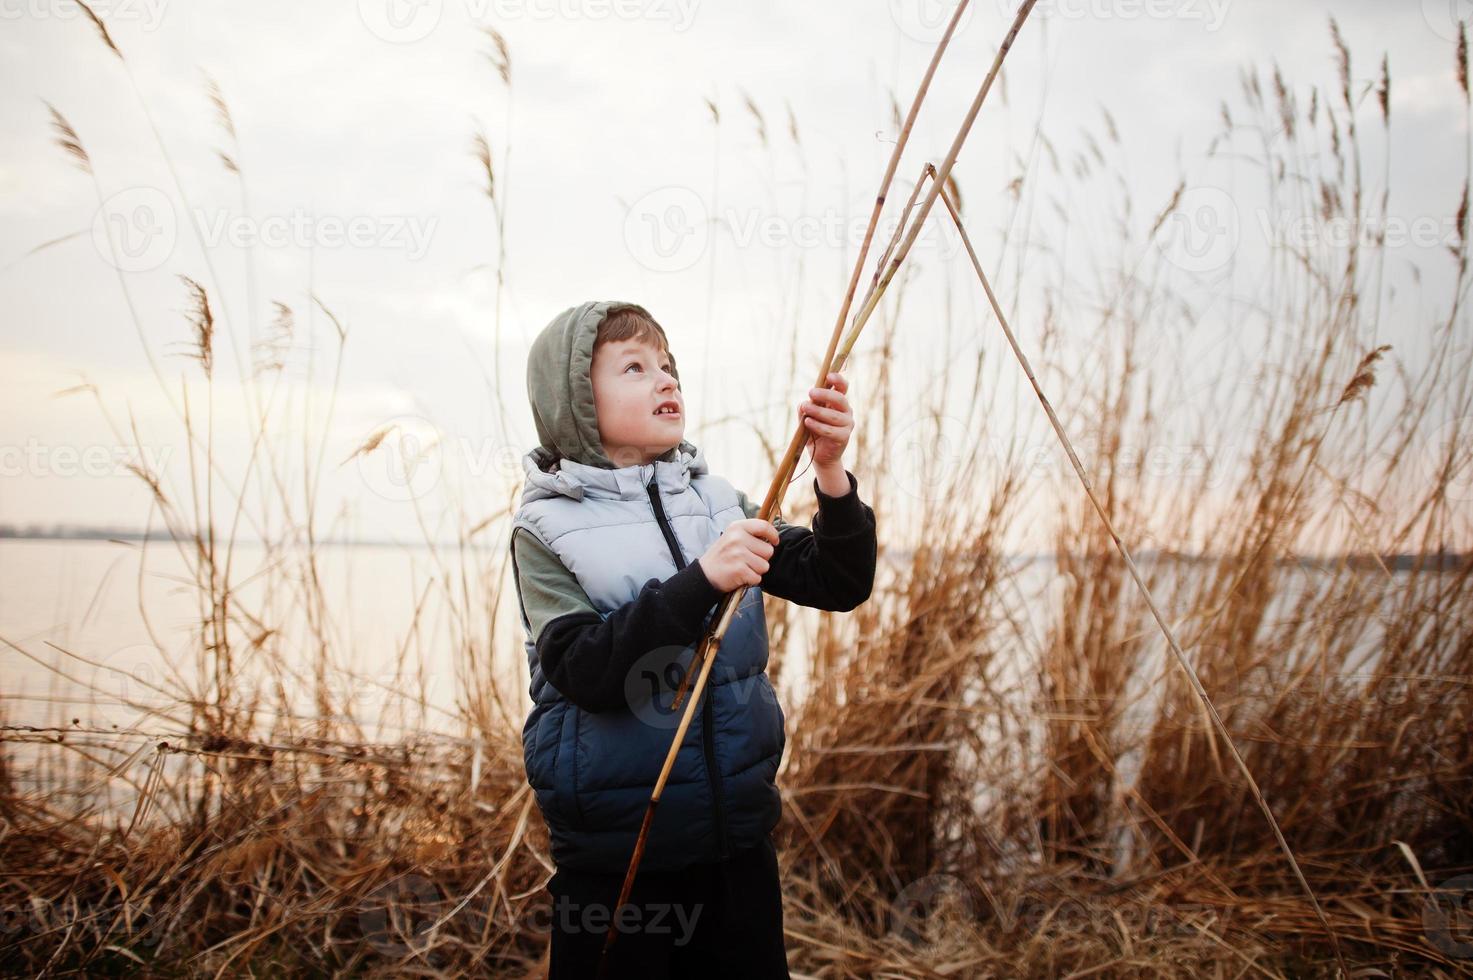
<point x="708" y="920"/>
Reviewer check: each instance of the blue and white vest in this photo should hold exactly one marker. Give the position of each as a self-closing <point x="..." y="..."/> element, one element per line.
<point x="593" y="773"/>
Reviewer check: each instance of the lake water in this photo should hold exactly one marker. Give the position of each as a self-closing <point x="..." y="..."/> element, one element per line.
<point x="386" y="617"/>
<point x="73" y="607"/>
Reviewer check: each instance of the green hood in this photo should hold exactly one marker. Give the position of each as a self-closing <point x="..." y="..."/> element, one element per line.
<point x="560" y="388"/>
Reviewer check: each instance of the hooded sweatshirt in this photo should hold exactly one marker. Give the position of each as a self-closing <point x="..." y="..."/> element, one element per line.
<point x="613" y="597"/>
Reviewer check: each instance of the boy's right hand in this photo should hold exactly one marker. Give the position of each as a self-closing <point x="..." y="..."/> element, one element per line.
<point x="739" y="556"/>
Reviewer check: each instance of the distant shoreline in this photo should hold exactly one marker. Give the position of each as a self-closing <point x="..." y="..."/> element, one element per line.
<point x="1433" y="561"/>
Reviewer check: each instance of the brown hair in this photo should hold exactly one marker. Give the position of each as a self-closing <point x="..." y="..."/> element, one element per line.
<point x="628" y="321"/>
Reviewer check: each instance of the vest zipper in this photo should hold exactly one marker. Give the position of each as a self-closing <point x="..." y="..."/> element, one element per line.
<point x="708" y="735"/>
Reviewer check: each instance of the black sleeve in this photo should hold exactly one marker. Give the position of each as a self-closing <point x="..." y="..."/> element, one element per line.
<point x="588" y="658"/>
<point x="831" y="566"/>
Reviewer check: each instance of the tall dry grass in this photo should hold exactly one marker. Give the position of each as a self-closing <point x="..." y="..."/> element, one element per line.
<point x="977" y="783"/>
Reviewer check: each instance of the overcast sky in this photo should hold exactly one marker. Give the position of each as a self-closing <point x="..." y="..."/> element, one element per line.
<point x="355" y="124"/>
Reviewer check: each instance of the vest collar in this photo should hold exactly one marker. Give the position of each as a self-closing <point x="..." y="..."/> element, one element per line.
<point x="569" y="478"/>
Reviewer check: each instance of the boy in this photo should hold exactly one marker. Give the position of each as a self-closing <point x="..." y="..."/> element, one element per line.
<point x="622" y="547"/>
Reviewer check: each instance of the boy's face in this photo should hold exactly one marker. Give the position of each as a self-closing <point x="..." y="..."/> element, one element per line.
<point x="631" y="382"/>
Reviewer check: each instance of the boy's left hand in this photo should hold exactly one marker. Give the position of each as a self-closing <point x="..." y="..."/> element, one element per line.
<point x="828" y="420"/>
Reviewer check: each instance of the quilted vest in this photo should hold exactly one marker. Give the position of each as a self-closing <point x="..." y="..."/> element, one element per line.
<point x="593" y="772"/>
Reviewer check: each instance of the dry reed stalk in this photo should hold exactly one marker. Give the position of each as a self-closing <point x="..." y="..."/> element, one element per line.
<point x="927" y="172"/>
<point x="940" y="178"/>
<point x="833" y="360"/>
<point x="205" y="252"/>
<point x="497" y="193"/>
<point x="1176" y="650"/>
<point x="709" y="645"/>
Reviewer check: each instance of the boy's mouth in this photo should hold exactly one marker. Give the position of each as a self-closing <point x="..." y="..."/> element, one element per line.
<point x="668" y="410"/>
